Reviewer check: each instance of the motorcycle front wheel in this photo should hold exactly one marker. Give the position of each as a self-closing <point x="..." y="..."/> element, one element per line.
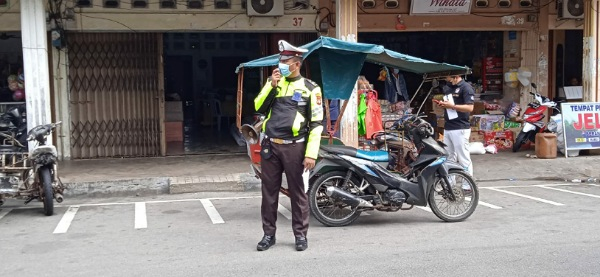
<point x="331" y="212"/>
<point x="466" y="193"/>
<point x="48" y="191"/>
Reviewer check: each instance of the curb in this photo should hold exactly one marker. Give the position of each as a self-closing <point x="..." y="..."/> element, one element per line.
<point x="239" y="182"/>
<point x="162" y="185"/>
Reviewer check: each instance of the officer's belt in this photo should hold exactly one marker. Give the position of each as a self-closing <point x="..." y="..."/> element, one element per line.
<point x="285" y="141"/>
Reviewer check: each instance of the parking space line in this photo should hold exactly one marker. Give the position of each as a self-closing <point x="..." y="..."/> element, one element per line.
<point x="491" y="206"/>
<point x="65" y="221"/>
<point x="427" y="209"/>
<point x="141" y="221"/>
<point x="569" y="191"/>
<point x="4" y="212"/>
<point x="284" y="211"/>
<point x="528" y="197"/>
<point x="212" y="212"/>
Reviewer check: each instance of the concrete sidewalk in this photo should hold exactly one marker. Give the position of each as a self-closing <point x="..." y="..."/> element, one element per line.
<point x="146" y="176"/>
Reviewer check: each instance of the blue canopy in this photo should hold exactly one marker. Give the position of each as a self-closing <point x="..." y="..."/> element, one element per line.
<point x="341" y="62"/>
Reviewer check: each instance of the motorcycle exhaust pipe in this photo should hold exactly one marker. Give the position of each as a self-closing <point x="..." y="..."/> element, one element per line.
<point x="347" y="198"/>
<point x="59" y="198"/>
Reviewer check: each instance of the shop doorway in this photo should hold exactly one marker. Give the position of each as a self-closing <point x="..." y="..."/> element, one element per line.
<point x="200" y="90"/>
<point x="471" y="49"/>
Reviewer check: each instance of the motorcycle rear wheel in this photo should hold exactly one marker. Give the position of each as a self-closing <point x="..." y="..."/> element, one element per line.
<point x="519" y="141"/>
<point x="466" y="192"/>
<point x="48" y="191"/>
<point x="324" y="208"/>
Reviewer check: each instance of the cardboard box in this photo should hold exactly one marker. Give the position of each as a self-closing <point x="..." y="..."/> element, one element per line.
<point x="476" y="137"/>
<point x="478" y="108"/>
<point x="174" y="131"/>
<point x="502" y="139"/>
<point x="487" y="122"/>
<point x="173" y="111"/>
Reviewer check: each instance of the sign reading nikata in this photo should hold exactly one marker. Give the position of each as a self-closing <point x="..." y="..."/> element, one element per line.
<point x="440" y="7"/>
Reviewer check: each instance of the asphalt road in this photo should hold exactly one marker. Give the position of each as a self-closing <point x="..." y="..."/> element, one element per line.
<point x="520" y="229"/>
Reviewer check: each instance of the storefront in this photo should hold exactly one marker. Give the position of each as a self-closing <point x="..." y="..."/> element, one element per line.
<point x="145" y="84"/>
<point x="12" y="84"/>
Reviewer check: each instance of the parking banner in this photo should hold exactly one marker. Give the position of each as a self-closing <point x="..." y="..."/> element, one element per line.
<point x="581" y="125"/>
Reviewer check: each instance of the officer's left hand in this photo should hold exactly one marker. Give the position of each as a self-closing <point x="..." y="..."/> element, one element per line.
<point x="309" y="163"/>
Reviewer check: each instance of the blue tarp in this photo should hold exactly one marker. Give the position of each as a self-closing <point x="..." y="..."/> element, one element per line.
<point x="341" y="62"/>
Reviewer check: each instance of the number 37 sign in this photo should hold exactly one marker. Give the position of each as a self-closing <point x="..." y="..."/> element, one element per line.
<point x="581" y="125"/>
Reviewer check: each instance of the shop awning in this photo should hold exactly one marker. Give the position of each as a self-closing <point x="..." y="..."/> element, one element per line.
<point x="341" y="62"/>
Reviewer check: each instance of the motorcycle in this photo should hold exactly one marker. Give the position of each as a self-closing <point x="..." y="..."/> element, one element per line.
<point x="350" y="181"/>
<point x="534" y="118"/>
<point x="31" y="176"/>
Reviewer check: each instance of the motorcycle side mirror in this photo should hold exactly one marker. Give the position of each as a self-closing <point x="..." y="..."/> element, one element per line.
<point x="533" y="85"/>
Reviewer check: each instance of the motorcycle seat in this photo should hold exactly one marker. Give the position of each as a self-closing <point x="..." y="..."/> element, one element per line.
<point x="375" y="156"/>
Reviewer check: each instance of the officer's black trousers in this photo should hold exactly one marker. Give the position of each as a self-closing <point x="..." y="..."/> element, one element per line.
<point x="286" y="158"/>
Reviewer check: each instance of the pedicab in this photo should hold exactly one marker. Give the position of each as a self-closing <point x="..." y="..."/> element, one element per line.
<point x="336" y="65"/>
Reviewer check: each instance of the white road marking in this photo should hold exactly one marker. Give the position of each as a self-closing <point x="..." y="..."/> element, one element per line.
<point x="528" y="197"/>
<point x="365" y="214"/>
<point x="4" y="212"/>
<point x="595" y="185"/>
<point x="65" y="221"/>
<point x="141" y="222"/>
<point x="212" y="212"/>
<point x="491" y="206"/>
<point x="569" y="191"/>
<point x="424" y="208"/>
<point x="284" y="211"/>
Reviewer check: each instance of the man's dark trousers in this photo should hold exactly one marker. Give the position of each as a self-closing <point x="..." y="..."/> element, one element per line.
<point x="286" y="158"/>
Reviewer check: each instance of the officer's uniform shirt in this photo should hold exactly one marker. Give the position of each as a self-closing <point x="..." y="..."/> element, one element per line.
<point x="295" y="111"/>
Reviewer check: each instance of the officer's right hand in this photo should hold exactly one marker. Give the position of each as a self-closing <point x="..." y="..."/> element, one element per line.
<point x="275" y="77"/>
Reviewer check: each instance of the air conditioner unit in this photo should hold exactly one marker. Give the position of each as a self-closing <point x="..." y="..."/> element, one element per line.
<point x="570" y="9"/>
<point x="481" y="3"/>
<point x="264" y="8"/>
<point x="504" y="3"/>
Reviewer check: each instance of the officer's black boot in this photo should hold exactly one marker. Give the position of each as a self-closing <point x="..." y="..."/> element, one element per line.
<point x="266" y="242"/>
<point x="301" y="243"/>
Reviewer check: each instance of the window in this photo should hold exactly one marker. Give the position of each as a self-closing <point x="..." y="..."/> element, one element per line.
<point x="195" y="4"/>
<point x="111" y="3"/>
<point x="83" y="3"/>
<point x="168" y="4"/>
<point x="139" y="4"/>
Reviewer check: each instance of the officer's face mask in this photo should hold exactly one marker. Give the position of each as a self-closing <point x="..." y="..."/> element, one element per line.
<point x="284" y="69"/>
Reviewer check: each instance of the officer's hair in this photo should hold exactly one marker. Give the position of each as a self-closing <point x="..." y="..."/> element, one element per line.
<point x="297" y="59"/>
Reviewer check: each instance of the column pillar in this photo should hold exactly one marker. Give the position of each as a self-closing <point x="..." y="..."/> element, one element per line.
<point x="35" y="64"/>
<point x="346" y="29"/>
<point x="590" y="51"/>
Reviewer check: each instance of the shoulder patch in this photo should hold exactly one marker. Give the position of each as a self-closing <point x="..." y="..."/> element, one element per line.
<point x="310" y="84"/>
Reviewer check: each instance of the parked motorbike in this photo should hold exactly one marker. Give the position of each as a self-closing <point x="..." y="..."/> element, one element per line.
<point x="534" y="118"/>
<point x="31" y="176"/>
<point x="351" y="181"/>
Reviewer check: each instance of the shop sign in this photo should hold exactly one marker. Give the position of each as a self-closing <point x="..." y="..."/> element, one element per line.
<point x="441" y="7"/>
<point x="581" y="125"/>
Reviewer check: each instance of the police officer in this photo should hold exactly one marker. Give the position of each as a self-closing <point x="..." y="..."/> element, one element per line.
<point x="293" y="130"/>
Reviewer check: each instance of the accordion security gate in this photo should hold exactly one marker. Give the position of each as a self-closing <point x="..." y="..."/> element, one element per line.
<point x="114" y="94"/>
